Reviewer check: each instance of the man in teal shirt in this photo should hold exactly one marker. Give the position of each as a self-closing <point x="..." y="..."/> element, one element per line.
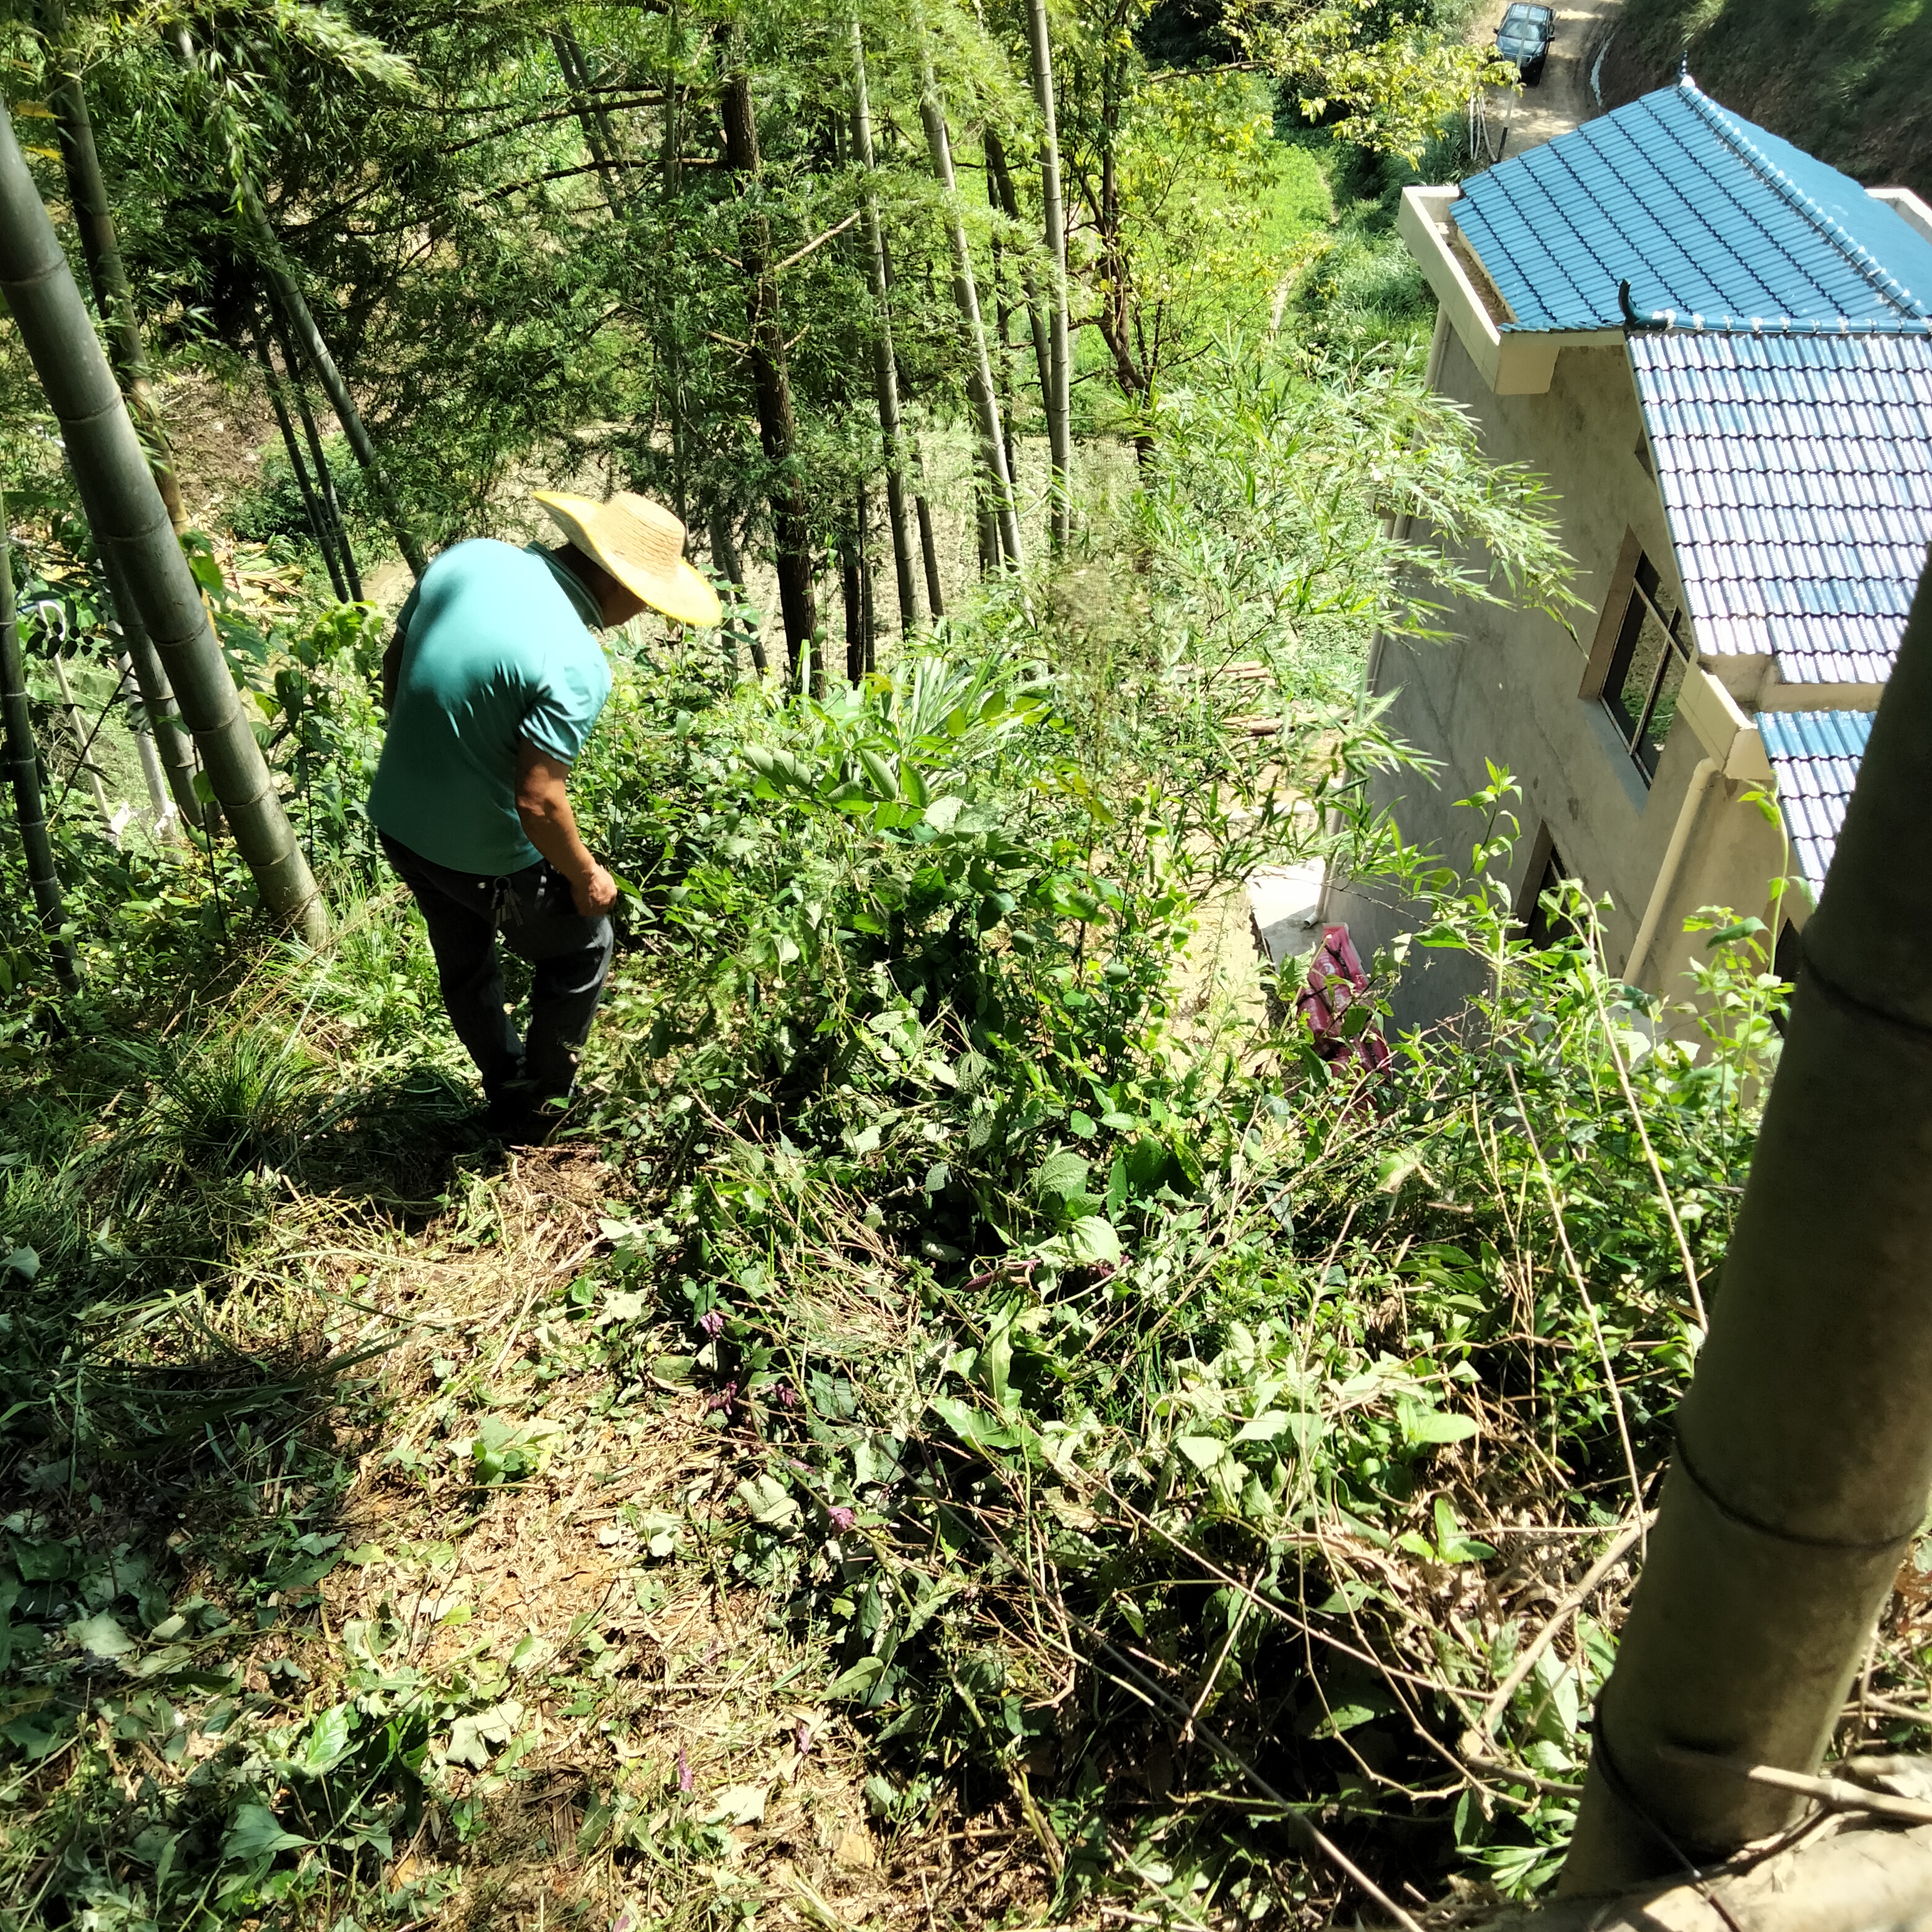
<point x="493" y="682"/>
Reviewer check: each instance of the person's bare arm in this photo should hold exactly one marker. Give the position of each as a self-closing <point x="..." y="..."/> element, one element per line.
<point x="543" y="804"/>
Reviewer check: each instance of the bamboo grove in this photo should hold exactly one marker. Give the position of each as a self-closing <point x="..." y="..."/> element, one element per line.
<point x="743" y="257"/>
<point x="973" y="1394"/>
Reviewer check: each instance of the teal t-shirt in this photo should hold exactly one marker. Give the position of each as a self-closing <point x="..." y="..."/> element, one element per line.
<point x="496" y="648"/>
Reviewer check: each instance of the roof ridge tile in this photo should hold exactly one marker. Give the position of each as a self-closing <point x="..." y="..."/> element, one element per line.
<point x="1768" y="170"/>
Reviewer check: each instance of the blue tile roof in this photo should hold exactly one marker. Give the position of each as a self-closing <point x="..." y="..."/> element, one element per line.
<point x="1816" y="756"/>
<point x="1796" y="476"/>
<point x="1701" y="212"/>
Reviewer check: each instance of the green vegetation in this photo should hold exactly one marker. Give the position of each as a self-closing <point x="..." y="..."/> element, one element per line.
<point x="961" y="1338"/>
<point x="982" y="1413"/>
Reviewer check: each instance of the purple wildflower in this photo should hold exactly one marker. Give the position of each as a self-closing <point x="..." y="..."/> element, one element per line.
<point x="725" y="1398"/>
<point x="787" y="1396"/>
<point x="685" y="1780"/>
<point x="843" y="1518"/>
<point x="712" y="1321"/>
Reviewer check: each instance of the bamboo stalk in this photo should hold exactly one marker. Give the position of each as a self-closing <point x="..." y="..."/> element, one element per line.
<point x="1053" y="222"/>
<point x="999" y="187"/>
<point x="324" y="476"/>
<point x="771" y="381"/>
<point x="966" y="294"/>
<point x="595" y="124"/>
<point x="1804" y="1445"/>
<point x="885" y="362"/>
<point x="315" y="351"/>
<point x="852" y="602"/>
<point x="870" y="619"/>
<point x="23" y="768"/>
<point x="317" y="523"/>
<point x="100" y="249"/>
<point x="131" y="527"/>
<point x="928" y="546"/>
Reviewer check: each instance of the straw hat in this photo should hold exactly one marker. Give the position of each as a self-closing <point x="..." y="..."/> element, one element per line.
<point x="641" y="544"/>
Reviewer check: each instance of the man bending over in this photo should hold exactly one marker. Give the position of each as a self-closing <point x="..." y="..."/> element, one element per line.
<point x="493" y="682"/>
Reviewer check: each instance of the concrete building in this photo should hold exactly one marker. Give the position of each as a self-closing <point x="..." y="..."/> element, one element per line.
<point x="1718" y="350"/>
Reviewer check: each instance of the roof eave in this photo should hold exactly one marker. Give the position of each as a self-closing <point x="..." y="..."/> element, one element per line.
<point x="1520" y="362"/>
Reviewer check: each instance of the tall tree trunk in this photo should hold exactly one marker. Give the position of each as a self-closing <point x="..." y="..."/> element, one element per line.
<point x="598" y="136"/>
<point x="23" y="766"/>
<point x="1003" y="357"/>
<point x="324" y="476"/>
<point x="100" y="249"/>
<point x="670" y="188"/>
<point x="1804" y="1446"/>
<point x="1053" y="221"/>
<point x="929" y="545"/>
<point x="1000" y="185"/>
<point x="865" y="584"/>
<point x="318" y="520"/>
<point x="724" y="553"/>
<point x="853" y="600"/>
<point x="309" y="338"/>
<point x="855" y="562"/>
<point x="885" y="362"/>
<point x="771" y="381"/>
<point x="965" y="292"/>
<point x="129" y="520"/>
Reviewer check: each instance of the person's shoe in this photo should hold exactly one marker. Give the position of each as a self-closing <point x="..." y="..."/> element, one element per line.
<point x="519" y="1118"/>
<point x="507" y="1117"/>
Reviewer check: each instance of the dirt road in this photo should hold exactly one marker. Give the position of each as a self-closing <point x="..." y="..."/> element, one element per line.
<point x="1562" y="99"/>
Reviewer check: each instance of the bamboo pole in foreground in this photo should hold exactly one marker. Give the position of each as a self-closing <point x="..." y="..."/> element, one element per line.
<point x="100" y="248"/>
<point x="131" y="528"/>
<point x="1804" y="1446"/>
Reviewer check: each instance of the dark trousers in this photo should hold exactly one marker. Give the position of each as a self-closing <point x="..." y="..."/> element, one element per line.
<point x="570" y="955"/>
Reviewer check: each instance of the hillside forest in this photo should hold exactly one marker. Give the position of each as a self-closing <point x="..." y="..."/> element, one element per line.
<point x="979" y="1414"/>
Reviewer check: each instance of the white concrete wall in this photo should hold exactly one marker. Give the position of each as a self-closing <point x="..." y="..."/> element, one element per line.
<point x="1506" y="688"/>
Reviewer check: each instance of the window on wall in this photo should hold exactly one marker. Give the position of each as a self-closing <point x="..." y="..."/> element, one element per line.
<point x="1547" y="872"/>
<point x="1646" y="671"/>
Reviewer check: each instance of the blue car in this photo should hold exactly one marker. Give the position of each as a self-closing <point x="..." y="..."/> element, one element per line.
<point x="1524" y="37"/>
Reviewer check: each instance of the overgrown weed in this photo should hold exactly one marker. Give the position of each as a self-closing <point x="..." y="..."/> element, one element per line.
<point x="968" y="1421"/>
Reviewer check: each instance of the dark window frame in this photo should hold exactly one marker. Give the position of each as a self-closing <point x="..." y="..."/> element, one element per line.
<point x="1636" y="597"/>
<point x="1546" y="873"/>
